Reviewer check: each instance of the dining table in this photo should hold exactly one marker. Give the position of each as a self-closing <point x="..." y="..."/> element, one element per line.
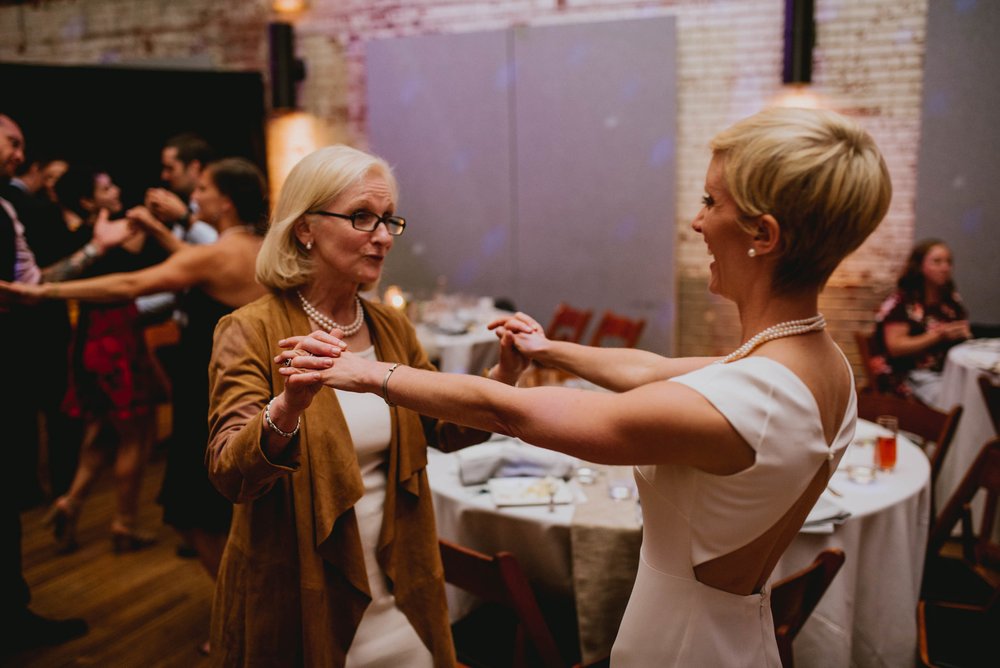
<point x="454" y="335"/>
<point x="960" y="386"/>
<point x="586" y="548"/>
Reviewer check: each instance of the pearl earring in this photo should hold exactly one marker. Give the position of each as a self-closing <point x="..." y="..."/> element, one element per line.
<point x="751" y="252"/>
<point x="309" y="245"/>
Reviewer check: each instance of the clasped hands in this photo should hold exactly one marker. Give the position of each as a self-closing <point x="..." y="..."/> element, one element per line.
<point x="321" y="358"/>
<point x="957" y="330"/>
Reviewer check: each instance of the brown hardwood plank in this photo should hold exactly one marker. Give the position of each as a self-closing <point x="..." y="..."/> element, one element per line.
<point x="146" y="608"/>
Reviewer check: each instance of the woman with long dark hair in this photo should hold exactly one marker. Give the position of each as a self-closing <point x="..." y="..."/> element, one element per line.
<point x="917" y="324"/>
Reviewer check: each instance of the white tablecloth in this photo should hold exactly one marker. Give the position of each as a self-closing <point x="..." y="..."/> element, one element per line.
<point x="960" y="385"/>
<point x="866" y="618"/>
<point x="459" y="340"/>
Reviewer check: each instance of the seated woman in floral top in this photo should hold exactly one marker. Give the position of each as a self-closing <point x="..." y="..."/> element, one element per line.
<point x="917" y="324"/>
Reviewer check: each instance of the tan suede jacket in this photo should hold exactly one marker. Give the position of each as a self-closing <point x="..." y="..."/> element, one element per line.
<point x="292" y="586"/>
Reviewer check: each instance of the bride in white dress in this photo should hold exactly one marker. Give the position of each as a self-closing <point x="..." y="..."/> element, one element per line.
<point x="730" y="454"/>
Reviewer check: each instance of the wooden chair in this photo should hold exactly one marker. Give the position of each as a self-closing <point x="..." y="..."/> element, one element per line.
<point x="794" y="598"/>
<point x="568" y="323"/>
<point x="864" y="352"/>
<point x="621" y="329"/>
<point x="955" y="635"/>
<point x="991" y="395"/>
<point x="967" y="579"/>
<point x="510" y="604"/>
<point x="161" y="340"/>
<point x="929" y="424"/>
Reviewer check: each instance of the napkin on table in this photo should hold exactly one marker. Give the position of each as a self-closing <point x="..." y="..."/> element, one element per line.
<point x="511" y="458"/>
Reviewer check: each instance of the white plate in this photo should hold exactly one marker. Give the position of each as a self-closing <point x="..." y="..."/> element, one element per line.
<point x="529" y="491"/>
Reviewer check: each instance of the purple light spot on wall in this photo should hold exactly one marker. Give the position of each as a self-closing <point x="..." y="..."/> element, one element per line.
<point x="965" y="6"/>
<point x="938" y="103"/>
<point x="578" y="54"/>
<point x="972" y="221"/>
<point x="662" y="152"/>
<point x="408" y="91"/>
<point x="494" y="241"/>
<point x="467" y="272"/>
<point x="664" y="316"/>
<point x="626" y="228"/>
<point x="505" y="76"/>
<point x="630" y="88"/>
<point x="460" y="161"/>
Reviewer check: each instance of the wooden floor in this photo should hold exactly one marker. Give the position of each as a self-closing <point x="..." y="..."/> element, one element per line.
<point x="146" y="608"/>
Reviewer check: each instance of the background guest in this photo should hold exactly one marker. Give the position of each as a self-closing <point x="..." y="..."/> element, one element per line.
<point x="112" y="384"/>
<point x="21" y="627"/>
<point x="917" y="324"/>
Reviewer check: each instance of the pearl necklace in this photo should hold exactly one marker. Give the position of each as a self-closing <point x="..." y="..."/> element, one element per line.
<point x="330" y="324"/>
<point x="789" y="328"/>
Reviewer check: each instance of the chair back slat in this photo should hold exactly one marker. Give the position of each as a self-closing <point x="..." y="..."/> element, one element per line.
<point x="983" y="475"/>
<point x="568" y="323"/>
<point x="499" y="579"/>
<point x="624" y="332"/>
<point x="864" y="352"/>
<point x="794" y="598"/>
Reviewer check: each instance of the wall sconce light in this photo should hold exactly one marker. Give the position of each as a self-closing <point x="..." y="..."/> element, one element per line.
<point x="288" y="6"/>
<point x="800" y="36"/>
<point x="286" y="70"/>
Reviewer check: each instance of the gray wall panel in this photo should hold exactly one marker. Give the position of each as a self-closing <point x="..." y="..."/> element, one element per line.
<point x="595" y="171"/>
<point x="535" y="163"/>
<point x="958" y="173"/>
<point x="438" y="113"/>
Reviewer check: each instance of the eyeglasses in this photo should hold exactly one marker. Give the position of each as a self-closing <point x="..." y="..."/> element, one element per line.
<point x="366" y="221"/>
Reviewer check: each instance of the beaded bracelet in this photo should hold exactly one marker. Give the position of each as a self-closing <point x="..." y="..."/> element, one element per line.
<point x="277" y="430"/>
<point x="385" y="385"/>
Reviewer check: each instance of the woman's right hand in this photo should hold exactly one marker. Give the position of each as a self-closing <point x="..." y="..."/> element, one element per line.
<point x="110" y="233"/>
<point x="301" y="358"/>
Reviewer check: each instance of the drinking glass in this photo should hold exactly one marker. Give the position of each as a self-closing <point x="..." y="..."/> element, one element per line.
<point x="885" y="442"/>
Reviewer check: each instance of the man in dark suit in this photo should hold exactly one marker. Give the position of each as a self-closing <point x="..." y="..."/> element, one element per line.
<point x="21" y="627"/>
<point x="48" y="326"/>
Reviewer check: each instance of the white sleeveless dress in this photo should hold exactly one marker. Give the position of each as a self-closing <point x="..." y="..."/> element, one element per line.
<point x="691" y="517"/>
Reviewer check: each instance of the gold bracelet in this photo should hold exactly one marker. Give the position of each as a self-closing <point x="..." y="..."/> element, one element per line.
<point x="385" y="385"/>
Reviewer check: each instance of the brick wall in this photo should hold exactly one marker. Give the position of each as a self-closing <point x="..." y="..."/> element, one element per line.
<point x="867" y="64"/>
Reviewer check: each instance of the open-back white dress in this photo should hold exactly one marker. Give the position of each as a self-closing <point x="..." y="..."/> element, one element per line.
<point x="691" y="517"/>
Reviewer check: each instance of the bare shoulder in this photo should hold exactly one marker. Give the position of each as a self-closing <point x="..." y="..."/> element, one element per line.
<point x="820" y="364"/>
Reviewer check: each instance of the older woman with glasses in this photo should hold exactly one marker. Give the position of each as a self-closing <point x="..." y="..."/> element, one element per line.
<point x="332" y="559"/>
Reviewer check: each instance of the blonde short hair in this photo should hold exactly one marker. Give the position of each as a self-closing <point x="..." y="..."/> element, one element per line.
<point x="317" y="179"/>
<point x="820" y="175"/>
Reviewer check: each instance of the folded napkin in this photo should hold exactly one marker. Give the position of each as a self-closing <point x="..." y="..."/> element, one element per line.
<point x="511" y="458"/>
<point x="824" y="515"/>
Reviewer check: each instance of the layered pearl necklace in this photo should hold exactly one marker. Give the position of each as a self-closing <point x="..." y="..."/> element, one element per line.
<point x="330" y="324"/>
<point x="789" y="328"/>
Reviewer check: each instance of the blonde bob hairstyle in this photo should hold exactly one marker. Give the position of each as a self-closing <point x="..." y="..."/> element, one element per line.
<point x="313" y="183"/>
<point x="818" y="174"/>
